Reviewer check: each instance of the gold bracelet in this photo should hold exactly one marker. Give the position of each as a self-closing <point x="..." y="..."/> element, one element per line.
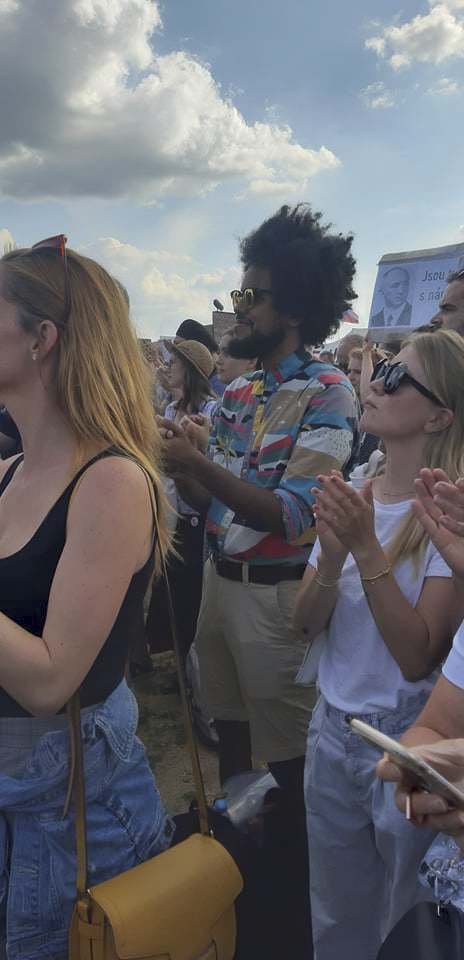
<point x="378" y="576"/>
<point x="325" y="583"/>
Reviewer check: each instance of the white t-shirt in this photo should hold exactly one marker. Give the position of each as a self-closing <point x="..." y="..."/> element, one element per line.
<point x="453" y="667"/>
<point x="357" y="672"/>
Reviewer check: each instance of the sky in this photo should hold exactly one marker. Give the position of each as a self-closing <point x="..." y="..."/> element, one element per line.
<point x="155" y="135"/>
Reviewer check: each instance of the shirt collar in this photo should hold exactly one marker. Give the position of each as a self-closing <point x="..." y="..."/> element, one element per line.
<point x="287" y="368"/>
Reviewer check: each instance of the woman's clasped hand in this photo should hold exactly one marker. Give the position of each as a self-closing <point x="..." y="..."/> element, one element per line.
<point x="344" y="513"/>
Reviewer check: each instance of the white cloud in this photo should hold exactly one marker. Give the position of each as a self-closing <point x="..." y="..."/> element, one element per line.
<point x="376" y="96"/>
<point x="445" y="87"/>
<point x="88" y="108"/>
<point x="451" y="4"/>
<point x="377" y="44"/>
<point x="432" y="37"/>
<point x="164" y="287"/>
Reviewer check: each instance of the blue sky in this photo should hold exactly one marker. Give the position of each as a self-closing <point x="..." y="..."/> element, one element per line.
<point x="155" y="135"/>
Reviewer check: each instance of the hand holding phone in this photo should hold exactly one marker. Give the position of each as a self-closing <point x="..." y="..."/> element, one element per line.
<point x="418" y="773"/>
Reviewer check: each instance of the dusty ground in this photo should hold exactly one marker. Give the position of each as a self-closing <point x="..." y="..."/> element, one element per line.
<point x="162" y="731"/>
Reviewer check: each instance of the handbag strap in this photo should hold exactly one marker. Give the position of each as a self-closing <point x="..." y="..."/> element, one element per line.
<point x="76" y="783"/>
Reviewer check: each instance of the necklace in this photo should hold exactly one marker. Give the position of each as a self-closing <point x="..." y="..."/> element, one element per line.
<point x="404" y="493"/>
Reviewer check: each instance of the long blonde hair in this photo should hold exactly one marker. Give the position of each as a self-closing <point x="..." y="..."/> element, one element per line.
<point x="441" y="355"/>
<point x="102" y="379"/>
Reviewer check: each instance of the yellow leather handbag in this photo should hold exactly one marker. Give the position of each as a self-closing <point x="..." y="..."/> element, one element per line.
<point x="179" y="905"/>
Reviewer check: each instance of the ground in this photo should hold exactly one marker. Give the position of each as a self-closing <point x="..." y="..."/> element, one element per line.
<point x="162" y="730"/>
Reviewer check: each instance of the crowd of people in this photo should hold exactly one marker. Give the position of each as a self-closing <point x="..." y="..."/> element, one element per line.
<point x="311" y="506"/>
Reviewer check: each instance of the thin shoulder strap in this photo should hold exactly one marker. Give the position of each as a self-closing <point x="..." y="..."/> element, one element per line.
<point x="108" y="452"/>
<point x="9" y="474"/>
<point x="76" y="784"/>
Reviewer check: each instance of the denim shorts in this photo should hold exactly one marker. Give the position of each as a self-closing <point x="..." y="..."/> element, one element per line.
<point x="126" y="820"/>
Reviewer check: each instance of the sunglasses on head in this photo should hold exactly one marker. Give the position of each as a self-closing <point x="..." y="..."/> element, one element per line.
<point x="396" y="374"/>
<point x="58" y="245"/>
<point x="244" y="300"/>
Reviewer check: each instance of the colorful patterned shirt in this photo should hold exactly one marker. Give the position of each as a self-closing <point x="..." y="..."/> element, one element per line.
<point x="279" y="429"/>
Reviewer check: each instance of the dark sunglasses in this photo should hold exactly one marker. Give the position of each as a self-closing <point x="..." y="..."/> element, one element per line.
<point x="58" y="245"/>
<point x="244" y="300"/>
<point x="396" y="374"/>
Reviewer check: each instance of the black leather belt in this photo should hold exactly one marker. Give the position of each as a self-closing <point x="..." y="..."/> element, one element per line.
<point x="248" y="573"/>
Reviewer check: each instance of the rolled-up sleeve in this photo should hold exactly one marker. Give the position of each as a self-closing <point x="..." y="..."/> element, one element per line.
<point x="325" y="442"/>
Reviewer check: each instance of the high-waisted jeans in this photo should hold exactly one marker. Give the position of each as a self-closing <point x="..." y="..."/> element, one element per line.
<point x="364" y="855"/>
<point x="126" y="820"/>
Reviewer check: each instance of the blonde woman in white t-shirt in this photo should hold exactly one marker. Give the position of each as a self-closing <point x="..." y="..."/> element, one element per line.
<point x="384" y="598"/>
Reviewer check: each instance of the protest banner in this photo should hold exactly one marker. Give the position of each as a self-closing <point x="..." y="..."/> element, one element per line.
<point x="408" y="289"/>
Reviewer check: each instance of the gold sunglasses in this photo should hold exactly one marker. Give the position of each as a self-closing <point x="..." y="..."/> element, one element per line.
<point x="244" y="300"/>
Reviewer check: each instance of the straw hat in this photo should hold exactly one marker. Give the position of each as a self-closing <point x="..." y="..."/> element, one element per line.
<point x="196" y="354"/>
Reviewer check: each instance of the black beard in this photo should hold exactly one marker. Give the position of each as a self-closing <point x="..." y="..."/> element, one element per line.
<point x="255" y="345"/>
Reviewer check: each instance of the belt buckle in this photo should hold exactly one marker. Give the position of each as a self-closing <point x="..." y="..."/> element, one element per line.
<point x="246" y="573"/>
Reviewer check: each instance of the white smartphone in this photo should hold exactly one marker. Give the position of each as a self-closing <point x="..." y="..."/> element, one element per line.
<point x="423" y="775"/>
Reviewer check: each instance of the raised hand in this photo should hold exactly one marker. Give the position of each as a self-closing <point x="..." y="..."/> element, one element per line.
<point x="169" y="428"/>
<point x="439" y="506"/>
<point x="347" y="514"/>
<point x="333" y="553"/>
<point x="197" y="428"/>
<point x="178" y="451"/>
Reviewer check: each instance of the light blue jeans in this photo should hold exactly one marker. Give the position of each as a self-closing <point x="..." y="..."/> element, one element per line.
<point x="364" y="855"/>
<point x="126" y="821"/>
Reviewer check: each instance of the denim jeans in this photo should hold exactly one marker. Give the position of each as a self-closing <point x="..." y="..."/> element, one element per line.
<point x="364" y="855"/>
<point x="126" y="820"/>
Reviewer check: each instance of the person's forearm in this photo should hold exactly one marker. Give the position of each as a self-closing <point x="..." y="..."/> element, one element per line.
<point x="403" y="630"/>
<point x="193" y="493"/>
<point x="315" y="603"/>
<point x="27" y="670"/>
<point x="258" y="507"/>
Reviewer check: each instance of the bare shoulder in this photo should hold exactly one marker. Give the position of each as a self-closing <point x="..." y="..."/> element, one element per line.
<point x="113" y="480"/>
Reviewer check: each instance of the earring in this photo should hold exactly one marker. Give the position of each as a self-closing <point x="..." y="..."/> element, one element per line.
<point x="35" y="354"/>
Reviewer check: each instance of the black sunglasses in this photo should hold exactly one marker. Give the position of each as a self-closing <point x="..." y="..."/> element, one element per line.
<point x="58" y="245"/>
<point x="396" y="374"/>
<point x="244" y="300"/>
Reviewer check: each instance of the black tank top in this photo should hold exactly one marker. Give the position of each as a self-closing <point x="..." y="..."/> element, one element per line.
<point x="25" y="582"/>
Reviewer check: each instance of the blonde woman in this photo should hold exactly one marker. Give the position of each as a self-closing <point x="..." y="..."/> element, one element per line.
<point x="385" y="598"/>
<point x="77" y="549"/>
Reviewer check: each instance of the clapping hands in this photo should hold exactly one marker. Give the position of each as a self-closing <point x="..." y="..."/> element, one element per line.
<point x="344" y="517"/>
<point x="440" y="508"/>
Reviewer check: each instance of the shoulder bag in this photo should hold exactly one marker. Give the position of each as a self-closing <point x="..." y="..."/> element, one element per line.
<point x="180" y="905"/>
